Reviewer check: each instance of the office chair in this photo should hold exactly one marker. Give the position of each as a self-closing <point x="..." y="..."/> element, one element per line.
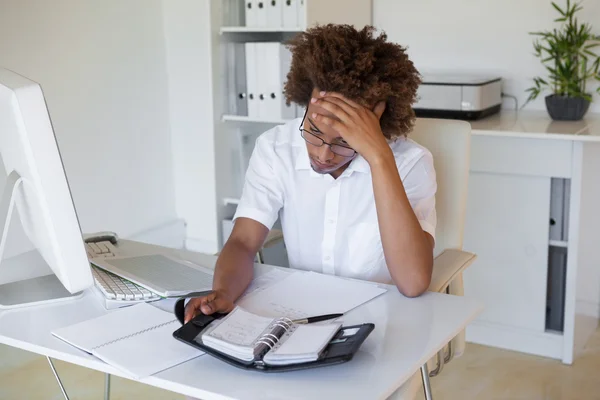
<point x="273" y="237"/>
<point x="449" y="141"/>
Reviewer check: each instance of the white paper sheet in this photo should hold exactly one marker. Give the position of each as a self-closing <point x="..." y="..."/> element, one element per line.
<point x="306" y="294"/>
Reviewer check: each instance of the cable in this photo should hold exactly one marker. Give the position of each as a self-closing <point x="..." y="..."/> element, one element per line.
<point x="510" y="96"/>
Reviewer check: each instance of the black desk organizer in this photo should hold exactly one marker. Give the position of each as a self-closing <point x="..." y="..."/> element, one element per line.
<point x="341" y="348"/>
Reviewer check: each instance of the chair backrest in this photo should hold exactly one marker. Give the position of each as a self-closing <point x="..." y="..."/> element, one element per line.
<point x="449" y="141"/>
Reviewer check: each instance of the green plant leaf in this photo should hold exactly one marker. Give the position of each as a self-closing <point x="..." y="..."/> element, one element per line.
<point x="559" y="9"/>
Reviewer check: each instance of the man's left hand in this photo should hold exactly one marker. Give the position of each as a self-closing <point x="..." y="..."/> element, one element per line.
<point x="358" y="125"/>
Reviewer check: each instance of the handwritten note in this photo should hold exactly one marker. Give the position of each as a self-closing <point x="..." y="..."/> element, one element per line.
<point x="241" y="328"/>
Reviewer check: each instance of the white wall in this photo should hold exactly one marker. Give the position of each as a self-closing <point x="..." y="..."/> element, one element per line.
<point x="187" y="29"/>
<point x="446" y="35"/>
<point x="102" y="67"/>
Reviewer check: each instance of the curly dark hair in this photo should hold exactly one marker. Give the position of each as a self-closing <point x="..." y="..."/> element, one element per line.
<point x="354" y="63"/>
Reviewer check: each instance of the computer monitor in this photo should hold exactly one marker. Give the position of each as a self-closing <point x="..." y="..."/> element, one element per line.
<point x="38" y="186"/>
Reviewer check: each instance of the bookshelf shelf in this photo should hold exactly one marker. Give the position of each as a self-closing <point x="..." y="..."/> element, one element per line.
<point x="243" y="118"/>
<point x="252" y="29"/>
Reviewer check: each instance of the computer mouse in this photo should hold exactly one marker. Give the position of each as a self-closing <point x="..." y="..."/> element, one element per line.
<point x="101" y="237"/>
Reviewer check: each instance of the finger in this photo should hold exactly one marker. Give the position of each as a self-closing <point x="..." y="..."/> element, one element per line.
<point x="332" y="122"/>
<point x="341" y="97"/>
<point x="334" y="106"/>
<point x="220" y="305"/>
<point x="191" y="310"/>
<point x="207" y="304"/>
<point x="379" y="109"/>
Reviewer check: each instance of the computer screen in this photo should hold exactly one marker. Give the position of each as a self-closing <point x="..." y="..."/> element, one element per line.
<point x="41" y="192"/>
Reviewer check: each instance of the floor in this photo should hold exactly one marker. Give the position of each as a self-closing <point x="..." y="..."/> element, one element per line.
<point x="481" y="373"/>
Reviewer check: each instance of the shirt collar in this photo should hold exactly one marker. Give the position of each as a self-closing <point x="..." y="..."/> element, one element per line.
<point x="302" y="162"/>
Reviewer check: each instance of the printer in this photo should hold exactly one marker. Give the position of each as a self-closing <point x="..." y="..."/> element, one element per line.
<point x="458" y="96"/>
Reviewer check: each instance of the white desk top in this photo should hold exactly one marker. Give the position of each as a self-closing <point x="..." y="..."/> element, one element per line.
<point x="407" y="333"/>
<point x="539" y="125"/>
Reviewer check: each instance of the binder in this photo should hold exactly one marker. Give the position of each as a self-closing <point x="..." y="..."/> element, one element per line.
<point x="556" y="208"/>
<point x="234" y="11"/>
<point x="262" y="67"/>
<point x="339" y="347"/>
<point x="566" y="208"/>
<point x="251" y="13"/>
<point x="274" y="13"/>
<point x="555" y="291"/>
<point x="241" y="90"/>
<point x="261" y="13"/>
<point x="301" y="14"/>
<point x="289" y="14"/>
<point x="237" y="101"/>
<point x="560" y="190"/>
<point x="251" y="80"/>
<point x="278" y="61"/>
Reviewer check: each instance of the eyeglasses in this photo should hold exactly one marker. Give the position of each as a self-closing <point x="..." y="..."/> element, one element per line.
<point x="313" y="139"/>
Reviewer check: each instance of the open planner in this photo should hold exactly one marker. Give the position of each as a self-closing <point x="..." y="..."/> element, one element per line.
<point x="267" y="344"/>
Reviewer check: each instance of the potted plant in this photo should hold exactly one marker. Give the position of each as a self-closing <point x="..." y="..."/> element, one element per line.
<point x="567" y="53"/>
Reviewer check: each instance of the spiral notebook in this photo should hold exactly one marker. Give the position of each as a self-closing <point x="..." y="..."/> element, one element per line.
<point x="137" y="340"/>
<point x="274" y="341"/>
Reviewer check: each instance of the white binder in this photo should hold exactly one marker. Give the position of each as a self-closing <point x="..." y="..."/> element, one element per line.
<point x="274" y="64"/>
<point x="241" y="91"/>
<point x="274" y="13"/>
<point x="262" y="66"/>
<point x="289" y="13"/>
<point x="251" y="10"/>
<point x="283" y="110"/>
<point x="261" y="13"/>
<point x="301" y="14"/>
<point x="252" y="80"/>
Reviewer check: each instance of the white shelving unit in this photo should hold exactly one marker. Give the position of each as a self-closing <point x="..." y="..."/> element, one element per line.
<point x="236" y="132"/>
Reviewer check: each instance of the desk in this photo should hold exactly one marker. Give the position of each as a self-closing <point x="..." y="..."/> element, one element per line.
<point x="407" y="333"/>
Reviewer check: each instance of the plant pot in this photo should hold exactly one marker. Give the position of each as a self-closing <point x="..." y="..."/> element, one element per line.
<point x="564" y="108"/>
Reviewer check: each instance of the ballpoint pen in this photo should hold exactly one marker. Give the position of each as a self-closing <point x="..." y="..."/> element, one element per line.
<point x="318" y="318"/>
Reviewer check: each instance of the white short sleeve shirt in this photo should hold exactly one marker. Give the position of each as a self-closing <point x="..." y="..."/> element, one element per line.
<point x="330" y="225"/>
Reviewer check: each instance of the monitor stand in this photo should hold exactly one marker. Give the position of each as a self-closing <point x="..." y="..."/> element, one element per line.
<point x="25" y="292"/>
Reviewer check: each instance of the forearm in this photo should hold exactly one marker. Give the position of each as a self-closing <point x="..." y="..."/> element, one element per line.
<point x="234" y="269"/>
<point x="407" y="248"/>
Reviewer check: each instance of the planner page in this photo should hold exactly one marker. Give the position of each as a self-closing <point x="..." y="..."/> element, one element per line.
<point x="237" y="333"/>
<point x="307" y="294"/>
<point x="304" y="344"/>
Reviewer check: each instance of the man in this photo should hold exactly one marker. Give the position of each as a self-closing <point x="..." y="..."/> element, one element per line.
<point x="355" y="196"/>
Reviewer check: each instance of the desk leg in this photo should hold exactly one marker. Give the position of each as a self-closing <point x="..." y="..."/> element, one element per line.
<point x="426" y="384"/>
<point x="62" y="388"/>
<point x="106" y="386"/>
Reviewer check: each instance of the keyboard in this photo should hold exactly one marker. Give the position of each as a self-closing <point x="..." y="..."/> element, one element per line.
<point x="101" y="249"/>
<point x="115" y="291"/>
